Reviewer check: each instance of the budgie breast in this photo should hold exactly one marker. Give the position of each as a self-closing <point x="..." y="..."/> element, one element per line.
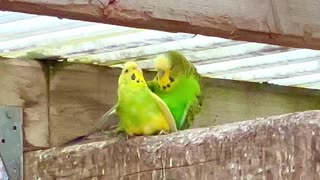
<point x="139" y="114"/>
<point x="181" y="95"/>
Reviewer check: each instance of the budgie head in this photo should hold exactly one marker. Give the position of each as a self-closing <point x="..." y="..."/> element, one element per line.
<point x="169" y="66"/>
<point x="132" y="74"/>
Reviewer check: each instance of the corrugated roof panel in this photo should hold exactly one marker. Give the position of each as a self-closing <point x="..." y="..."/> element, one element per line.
<point x="182" y="42"/>
<point x="57" y="38"/>
<point x="265" y="74"/>
<point x="13" y="16"/>
<point x="259" y="62"/>
<point x="31" y="36"/>
<point x="303" y="80"/>
<point x="315" y="85"/>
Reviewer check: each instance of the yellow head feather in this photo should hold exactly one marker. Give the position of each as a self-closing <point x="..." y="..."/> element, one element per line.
<point x="163" y="65"/>
<point x="130" y="65"/>
<point x="131" y="73"/>
<point x="162" y="62"/>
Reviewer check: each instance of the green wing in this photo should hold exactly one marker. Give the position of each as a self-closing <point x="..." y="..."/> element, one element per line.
<point x="187" y="69"/>
<point x="192" y="110"/>
<point x="196" y="104"/>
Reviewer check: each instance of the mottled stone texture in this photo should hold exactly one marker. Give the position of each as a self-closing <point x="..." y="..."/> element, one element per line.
<point x="277" y="147"/>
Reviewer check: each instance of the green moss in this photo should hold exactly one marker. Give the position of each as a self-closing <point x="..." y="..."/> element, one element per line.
<point x="3" y="58"/>
<point x="35" y="55"/>
<point x="55" y="66"/>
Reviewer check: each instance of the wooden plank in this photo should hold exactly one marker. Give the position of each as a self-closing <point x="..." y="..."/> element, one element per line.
<point x="278" y="147"/>
<point x="289" y="23"/>
<point x="80" y="94"/>
<point x="229" y="101"/>
<point x="23" y="83"/>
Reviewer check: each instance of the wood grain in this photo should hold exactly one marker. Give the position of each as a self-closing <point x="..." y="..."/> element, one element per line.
<point x="228" y="101"/>
<point x="277" y="147"/>
<point x="81" y="94"/>
<point x="290" y="23"/>
<point x="23" y="83"/>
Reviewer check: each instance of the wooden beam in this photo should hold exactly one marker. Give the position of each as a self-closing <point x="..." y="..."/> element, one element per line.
<point x="278" y="147"/>
<point x="80" y="94"/>
<point x="287" y="23"/>
<point x="24" y="84"/>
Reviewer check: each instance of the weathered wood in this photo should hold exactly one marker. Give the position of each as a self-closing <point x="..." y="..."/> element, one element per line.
<point x="278" y="147"/>
<point x="23" y="83"/>
<point x="230" y="101"/>
<point x="289" y="23"/>
<point x="80" y="94"/>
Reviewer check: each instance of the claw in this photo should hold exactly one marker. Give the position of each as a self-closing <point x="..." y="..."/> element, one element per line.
<point x="162" y="132"/>
<point x="129" y="137"/>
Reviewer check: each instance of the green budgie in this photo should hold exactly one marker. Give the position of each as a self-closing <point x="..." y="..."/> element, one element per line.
<point x="177" y="83"/>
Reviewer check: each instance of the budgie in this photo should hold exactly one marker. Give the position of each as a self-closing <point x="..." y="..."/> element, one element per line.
<point x="140" y="111"/>
<point x="178" y="84"/>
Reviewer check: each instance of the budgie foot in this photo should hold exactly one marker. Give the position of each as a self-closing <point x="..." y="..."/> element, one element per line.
<point x="115" y="127"/>
<point x="162" y="132"/>
<point x="130" y="136"/>
<point x="116" y="130"/>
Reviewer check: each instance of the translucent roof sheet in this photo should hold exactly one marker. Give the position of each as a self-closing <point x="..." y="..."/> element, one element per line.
<point x="41" y="37"/>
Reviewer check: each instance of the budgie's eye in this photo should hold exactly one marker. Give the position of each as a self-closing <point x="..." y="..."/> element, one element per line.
<point x="126" y="70"/>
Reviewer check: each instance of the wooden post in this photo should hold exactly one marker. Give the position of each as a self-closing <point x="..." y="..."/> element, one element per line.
<point x="24" y="83"/>
<point x="287" y="23"/>
<point x="278" y="147"/>
<point x="79" y="95"/>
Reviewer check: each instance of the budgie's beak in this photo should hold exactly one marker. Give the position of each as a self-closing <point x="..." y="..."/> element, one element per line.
<point x="162" y="64"/>
<point x="163" y="78"/>
<point x="160" y="74"/>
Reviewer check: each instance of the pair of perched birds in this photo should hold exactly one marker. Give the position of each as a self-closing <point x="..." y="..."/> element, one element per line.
<point x="165" y="104"/>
